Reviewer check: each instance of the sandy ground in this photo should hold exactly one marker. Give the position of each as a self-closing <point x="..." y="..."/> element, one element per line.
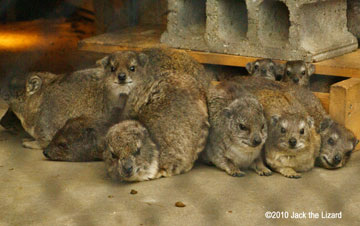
<point x="35" y="191"/>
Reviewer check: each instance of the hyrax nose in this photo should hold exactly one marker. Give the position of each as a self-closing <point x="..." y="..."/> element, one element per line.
<point x="127" y="170"/>
<point x="337" y="159"/>
<point x="292" y="142"/>
<point x="256" y="141"/>
<point x="122" y="77"/>
<point x="296" y="80"/>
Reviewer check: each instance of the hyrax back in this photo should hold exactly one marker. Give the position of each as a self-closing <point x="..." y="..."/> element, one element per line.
<point x="265" y="68"/>
<point x="130" y="153"/>
<point x="238" y="129"/>
<point x="80" y="139"/>
<point x="171" y="104"/>
<point x="298" y="72"/>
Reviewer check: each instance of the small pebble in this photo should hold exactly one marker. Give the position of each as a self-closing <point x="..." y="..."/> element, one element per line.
<point x="133" y="192"/>
<point x="230" y="211"/>
<point x="110" y="196"/>
<point x="11" y="169"/>
<point x="179" y="204"/>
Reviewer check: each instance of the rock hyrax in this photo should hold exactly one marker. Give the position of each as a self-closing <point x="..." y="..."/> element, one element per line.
<point x="130" y="153"/>
<point x="169" y="102"/>
<point x="292" y="145"/>
<point x="238" y="130"/>
<point x="298" y="72"/>
<point x="265" y="68"/>
<point x="81" y="139"/>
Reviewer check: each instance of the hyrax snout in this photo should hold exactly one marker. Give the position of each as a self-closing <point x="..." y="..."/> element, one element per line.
<point x="130" y="153"/>
<point x="265" y="68"/>
<point x="238" y="130"/>
<point x="298" y="72"/>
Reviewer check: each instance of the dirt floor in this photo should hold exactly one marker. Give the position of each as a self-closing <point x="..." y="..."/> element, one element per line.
<point x="35" y="191"/>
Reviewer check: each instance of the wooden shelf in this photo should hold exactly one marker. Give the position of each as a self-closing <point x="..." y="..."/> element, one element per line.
<point x="138" y="38"/>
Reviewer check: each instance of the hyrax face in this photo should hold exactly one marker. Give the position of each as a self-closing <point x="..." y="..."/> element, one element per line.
<point x="290" y="132"/>
<point x="130" y="154"/>
<point x="246" y="124"/>
<point x="77" y="141"/>
<point x="123" y="70"/>
<point x="337" y="145"/>
<point x="298" y="72"/>
<point x="265" y="68"/>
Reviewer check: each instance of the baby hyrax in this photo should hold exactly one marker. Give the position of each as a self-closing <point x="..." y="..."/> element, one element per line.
<point x="291" y="147"/>
<point x="298" y="72"/>
<point x="238" y="130"/>
<point x="265" y="68"/>
<point x="81" y="139"/>
<point x="130" y="153"/>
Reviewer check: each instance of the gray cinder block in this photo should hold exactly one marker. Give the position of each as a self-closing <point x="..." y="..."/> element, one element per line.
<point x="310" y="30"/>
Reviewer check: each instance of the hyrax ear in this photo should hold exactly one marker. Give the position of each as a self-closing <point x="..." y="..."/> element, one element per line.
<point x="250" y="67"/>
<point x="33" y="84"/>
<point x="274" y="119"/>
<point x="326" y="123"/>
<point x="279" y="70"/>
<point x="310" y="121"/>
<point x="103" y="62"/>
<point x="310" y="68"/>
<point x="143" y="59"/>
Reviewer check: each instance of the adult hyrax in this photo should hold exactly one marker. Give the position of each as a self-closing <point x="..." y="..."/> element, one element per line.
<point x="325" y="126"/>
<point x="238" y="130"/>
<point x="298" y="72"/>
<point x="44" y="102"/>
<point x="265" y="68"/>
<point x="292" y="144"/>
<point x="169" y="100"/>
<point x="130" y="153"/>
<point x="80" y="139"/>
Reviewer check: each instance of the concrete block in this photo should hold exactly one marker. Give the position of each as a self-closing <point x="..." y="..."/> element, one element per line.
<point x="353" y="16"/>
<point x="310" y="30"/>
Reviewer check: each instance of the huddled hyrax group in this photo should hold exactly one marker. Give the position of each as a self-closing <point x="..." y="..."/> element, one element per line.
<point x="153" y="113"/>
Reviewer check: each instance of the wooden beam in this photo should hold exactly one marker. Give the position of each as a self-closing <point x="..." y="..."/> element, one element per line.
<point x="344" y="104"/>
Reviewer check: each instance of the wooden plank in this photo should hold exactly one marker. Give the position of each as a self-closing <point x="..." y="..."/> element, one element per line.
<point x="345" y="104"/>
<point x="140" y="37"/>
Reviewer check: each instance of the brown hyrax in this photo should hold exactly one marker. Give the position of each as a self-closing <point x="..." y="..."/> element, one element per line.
<point x="167" y="100"/>
<point x="130" y="153"/>
<point x="324" y="125"/>
<point x="238" y="130"/>
<point x="292" y="145"/>
<point x="265" y="68"/>
<point x="44" y="102"/>
<point x="80" y="139"/>
<point x="298" y="72"/>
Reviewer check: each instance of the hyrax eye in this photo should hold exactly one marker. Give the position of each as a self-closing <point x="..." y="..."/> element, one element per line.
<point x="303" y="72"/>
<point x="283" y="130"/>
<point x="132" y="68"/>
<point x="242" y="127"/>
<point x="271" y="67"/>
<point x="113" y="155"/>
<point x="256" y="66"/>
<point x="113" y="69"/>
<point x="302" y="131"/>
<point x="331" y="141"/>
<point x="288" y="73"/>
<point x="137" y="151"/>
<point x="62" y="145"/>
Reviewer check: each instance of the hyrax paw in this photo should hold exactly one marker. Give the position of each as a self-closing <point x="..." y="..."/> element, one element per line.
<point x="290" y="173"/>
<point x="264" y="172"/>
<point x="236" y="173"/>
